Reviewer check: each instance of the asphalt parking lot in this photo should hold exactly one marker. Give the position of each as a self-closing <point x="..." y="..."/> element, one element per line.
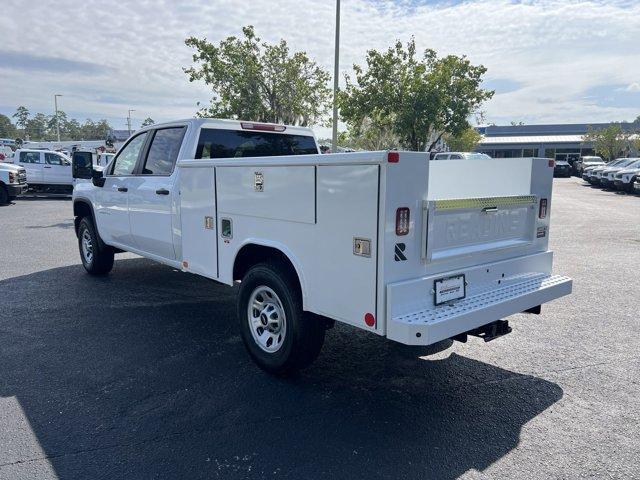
<point x="142" y="374"/>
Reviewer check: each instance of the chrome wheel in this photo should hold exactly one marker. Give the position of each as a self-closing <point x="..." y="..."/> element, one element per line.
<point x="267" y="320"/>
<point x="87" y="246"/>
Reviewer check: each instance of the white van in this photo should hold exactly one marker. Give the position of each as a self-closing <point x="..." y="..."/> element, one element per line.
<point x="47" y="171"/>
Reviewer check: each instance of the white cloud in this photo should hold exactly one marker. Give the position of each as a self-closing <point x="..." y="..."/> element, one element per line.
<point x="553" y="50"/>
<point x="633" y="87"/>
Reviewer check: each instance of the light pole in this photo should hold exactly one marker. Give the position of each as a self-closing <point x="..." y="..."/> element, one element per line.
<point x="129" y="121"/>
<point x="336" y="63"/>
<point x="55" y="102"/>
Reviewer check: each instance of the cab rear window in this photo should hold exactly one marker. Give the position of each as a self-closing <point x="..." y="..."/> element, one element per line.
<point x="218" y="143"/>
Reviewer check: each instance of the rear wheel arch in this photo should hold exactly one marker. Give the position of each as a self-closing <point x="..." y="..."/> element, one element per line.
<point x="252" y="254"/>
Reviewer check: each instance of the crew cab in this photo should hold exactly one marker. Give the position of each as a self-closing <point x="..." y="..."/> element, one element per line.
<point x="47" y="171"/>
<point x="13" y="182"/>
<point x="413" y="250"/>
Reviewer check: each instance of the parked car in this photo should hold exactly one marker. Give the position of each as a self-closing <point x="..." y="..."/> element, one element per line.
<point x="314" y="239"/>
<point x="623" y="179"/>
<point x="461" y="156"/>
<point x="103" y="159"/>
<point x="13" y="182"/>
<point x="607" y="174"/>
<point x="562" y="169"/>
<point x="596" y="172"/>
<point x="636" y="185"/>
<point x="586" y="161"/>
<point x="47" y="171"/>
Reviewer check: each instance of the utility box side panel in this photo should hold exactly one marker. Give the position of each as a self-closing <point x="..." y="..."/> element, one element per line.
<point x="342" y="280"/>
<point x="198" y="221"/>
<point x="278" y="193"/>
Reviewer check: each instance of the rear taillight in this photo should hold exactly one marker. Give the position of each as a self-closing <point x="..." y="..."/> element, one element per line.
<point x="2" y="157"/>
<point x="264" y="127"/>
<point x="552" y="163"/>
<point x="402" y="221"/>
<point x="542" y="211"/>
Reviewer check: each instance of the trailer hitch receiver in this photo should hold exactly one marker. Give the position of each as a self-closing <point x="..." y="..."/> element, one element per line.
<point x="491" y="331"/>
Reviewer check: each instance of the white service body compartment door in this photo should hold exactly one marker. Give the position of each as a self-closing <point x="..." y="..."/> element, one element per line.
<point x="198" y="220"/>
<point x="275" y="193"/>
<point x="342" y="284"/>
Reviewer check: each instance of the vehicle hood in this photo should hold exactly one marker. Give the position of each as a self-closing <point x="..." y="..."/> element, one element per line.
<point x="8" y="167"/>
<point x="630" y="170"/>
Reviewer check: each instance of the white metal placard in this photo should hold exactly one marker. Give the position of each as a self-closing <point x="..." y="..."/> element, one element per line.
<point x="449" y="289"/>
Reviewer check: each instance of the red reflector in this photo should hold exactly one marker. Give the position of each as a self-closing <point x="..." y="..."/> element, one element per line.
<point x="393" y="157"/>
<point x="402" y="220"/>
<point x="265" y="127"/>
<point x="369" y="319"/>
<point x="542" y="212"/>
<point x="552" y="163"/>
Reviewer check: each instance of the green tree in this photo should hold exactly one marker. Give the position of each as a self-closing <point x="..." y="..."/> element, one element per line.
<point x="7" y="129"/>
<point x="52" y="125"/>
<point x="370" y="134"/>
<point x="609" y="142"/>
<point x="148" y="121"/>
<point x="421" y="98"/>
<point x="21" y="116"/>
<point x="257" y="81"/>
<point x="36" y="127"/>
<point x="466" y="141"/>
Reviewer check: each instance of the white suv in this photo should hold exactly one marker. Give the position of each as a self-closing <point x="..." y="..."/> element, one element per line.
<point x="461" y="156"/>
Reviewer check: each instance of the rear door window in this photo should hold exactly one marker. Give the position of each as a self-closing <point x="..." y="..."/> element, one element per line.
<point x="218" y="143"/>
<point x="163" y="151"/>
<point x="30" y="157"/>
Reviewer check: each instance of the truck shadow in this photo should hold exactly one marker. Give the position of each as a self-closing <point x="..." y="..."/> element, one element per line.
<point x="141" y="374"/>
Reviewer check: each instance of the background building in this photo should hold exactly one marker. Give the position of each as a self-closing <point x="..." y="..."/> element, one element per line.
<point x="559" y="141"/>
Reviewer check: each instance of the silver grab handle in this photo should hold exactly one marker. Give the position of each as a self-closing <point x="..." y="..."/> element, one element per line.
<point x="490" y="209"/>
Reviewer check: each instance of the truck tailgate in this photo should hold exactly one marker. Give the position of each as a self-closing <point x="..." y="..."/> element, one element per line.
<point x="466" y="226"/>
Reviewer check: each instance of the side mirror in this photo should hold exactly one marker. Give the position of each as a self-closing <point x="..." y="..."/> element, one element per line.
<point x="97" y="177"/>
<point x="82" y="165"/>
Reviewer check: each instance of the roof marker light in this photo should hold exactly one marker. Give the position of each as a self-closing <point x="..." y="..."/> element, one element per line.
<point x="393" y="157"/>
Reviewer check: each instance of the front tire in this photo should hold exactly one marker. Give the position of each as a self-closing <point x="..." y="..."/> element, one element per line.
<point x="4" y="195"/>
<point x="280" y="337"/>
<point x="97" y="258"/>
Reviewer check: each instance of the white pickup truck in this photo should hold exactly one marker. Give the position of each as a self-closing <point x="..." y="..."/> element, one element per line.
<point x="389" y="242"/>
<point x="47" y="171"/>
<point x="13" y="182"/>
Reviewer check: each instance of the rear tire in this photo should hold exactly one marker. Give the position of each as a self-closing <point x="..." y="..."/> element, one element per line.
<point x="280" y="337"/>
<point x="97" y="258"/>
<point x="4" y="195"/>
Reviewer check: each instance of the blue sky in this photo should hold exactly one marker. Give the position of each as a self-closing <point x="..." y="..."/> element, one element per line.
<point x="548" y="60"/>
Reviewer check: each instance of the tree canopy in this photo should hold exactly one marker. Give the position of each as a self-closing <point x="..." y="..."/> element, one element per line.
<point x="466" y="141"/>
<point x="43" y="127"/>
<point x="418" y="97"/>
<point x="254" y="80"/>
<point x="609" y="142"/>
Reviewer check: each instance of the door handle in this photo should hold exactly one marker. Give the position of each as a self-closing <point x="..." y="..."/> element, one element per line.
<point x="490" y="209"/>
<point x="123" y="189"/>
<point x="47" y="167"/>
<point x="162" y="191"/>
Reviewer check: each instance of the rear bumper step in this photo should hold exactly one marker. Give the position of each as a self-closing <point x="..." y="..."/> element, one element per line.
<point x="428" y="326"/>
